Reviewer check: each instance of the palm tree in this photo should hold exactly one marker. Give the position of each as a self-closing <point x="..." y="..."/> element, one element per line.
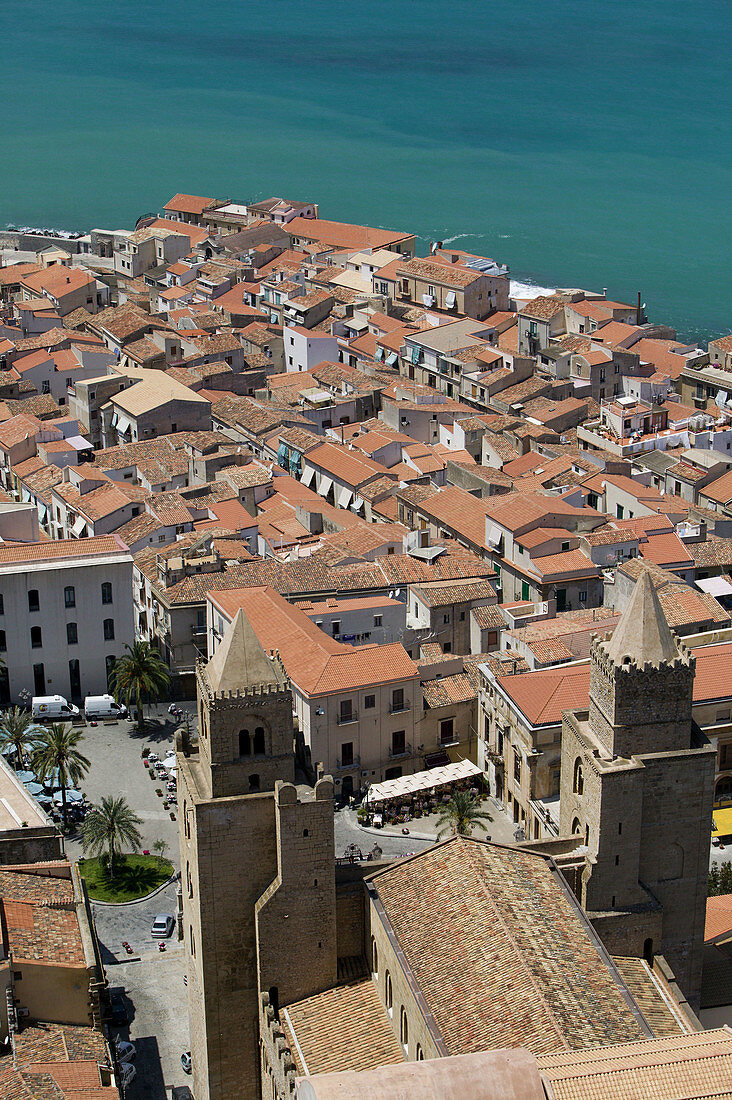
<point x="139" y="675"/>
<point x="109" y="826"/>
<point x="14" y="730"/>
<point x="461" y="815"/>
<point x="56" y="748"/>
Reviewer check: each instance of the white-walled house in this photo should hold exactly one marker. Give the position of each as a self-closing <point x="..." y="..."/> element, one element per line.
<point x="65" y="616"/>
<point x="304" y="348"/>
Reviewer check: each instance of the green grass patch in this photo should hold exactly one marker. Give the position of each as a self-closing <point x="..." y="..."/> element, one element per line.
<point x="134" y="877"/>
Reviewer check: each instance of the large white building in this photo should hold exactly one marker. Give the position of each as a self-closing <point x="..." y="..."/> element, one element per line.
<point x="65" y="615"/>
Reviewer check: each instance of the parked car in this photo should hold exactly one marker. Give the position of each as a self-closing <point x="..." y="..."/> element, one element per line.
<point x="181" y="1092"/>
<point x="163" y="925"/>
<point x="126" y="1052"/>
<point x="119" y="1013"/>
<point x="185" y="1061"/>
<point x="127" y="1073"/>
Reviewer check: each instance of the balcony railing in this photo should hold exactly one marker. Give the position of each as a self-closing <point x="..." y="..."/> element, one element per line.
<point x="398" y="708"/>
<point x="394" y="753"/>
<point x="344" y="718"/>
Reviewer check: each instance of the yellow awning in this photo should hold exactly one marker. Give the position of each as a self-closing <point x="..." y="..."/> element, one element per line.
<point x="722" y="822"/>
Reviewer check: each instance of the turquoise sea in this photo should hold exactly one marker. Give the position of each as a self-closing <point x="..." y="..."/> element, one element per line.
<point x="584" y="143"/>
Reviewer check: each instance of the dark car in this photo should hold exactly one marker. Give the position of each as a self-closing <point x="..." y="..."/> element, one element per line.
<point x="181" y="1092"/>
<point x="118" y="1013"/>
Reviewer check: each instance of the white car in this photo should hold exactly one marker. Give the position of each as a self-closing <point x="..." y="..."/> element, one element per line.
<point x="127" y="1073"/>
<point x="126" y="1052"/>
<point x="163" y="925"/>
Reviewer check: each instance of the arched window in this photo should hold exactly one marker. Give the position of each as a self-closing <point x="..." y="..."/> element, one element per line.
<point x="254" y="782"/>
<point x="420" y="1053"/>
<point x="259" y="741"/>
<point x="388" y="996"/>
<point x="72" y="634"/>
<point x="189" y="880"/>
<point x="107" y="592"/>
<point x="70" y="596"/>
<point x="36" y="637"/>
<point x="374" y="957"/>
<point x="587" y="835"/>
<point x="193" y="941"/>
<point x="245" y="743"/>
<point x="576" y="827"/>
<point x="578" y="785"/>
<point x="404" y="1027"/>
<point x="34" y="603"/>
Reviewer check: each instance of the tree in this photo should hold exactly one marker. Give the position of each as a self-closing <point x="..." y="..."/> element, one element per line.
<point x="15" y="731"/>
<point x="160" y="847"/>
<point x="140" y="675"/>
<point x="461" y="815"/>
<point x="57" y="748"/>
<point x="109" y="826"/>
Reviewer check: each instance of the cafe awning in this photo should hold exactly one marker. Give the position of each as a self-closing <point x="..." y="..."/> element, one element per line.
<point x="422" y="781"/>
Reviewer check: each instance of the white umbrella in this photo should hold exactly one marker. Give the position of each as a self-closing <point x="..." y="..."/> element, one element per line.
<point x="71" y="796"/>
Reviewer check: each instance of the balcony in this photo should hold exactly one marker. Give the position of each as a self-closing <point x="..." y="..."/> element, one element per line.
<point x="399" y="708"/>
<point x="341" y="766"/>
<point x="345" y="719"/>
<point x="406" y="751"/>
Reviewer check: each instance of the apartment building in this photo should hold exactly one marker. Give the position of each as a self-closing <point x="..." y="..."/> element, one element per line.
<point x="359" y="707"/>
<point x="65" y="616"/>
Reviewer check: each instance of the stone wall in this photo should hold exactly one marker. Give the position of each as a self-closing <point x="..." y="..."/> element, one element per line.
<point x="298" y="908"/>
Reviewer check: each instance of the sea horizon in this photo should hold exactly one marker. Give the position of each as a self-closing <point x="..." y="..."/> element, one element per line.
<point x="586" y="152"/>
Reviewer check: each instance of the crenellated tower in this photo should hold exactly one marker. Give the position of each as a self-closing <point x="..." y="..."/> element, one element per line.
<point x="636" y="788"/>
<point x="257" y="864"/>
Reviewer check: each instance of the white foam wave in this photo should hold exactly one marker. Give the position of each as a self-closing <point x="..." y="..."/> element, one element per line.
<point x="457" y="237"/>
<point x="529" y="290"/>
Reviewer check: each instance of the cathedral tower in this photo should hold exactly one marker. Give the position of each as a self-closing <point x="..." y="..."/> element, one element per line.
<point x="257" y="864"/>
<point x="637" y="786"/>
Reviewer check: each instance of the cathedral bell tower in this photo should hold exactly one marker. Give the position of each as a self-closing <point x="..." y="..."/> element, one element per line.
<point x="637" y="781"/>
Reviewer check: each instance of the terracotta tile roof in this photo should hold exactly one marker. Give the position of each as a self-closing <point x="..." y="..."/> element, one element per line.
<point x="500" y="951"/>
<point x="488" y="617"/>
<point x="17" y="429"/>
<point x="448" y="689"/>
<point x="669" y="1068"/>
<point x="445" y="593"/>
<point x="571" y="563"/>
<point x="188" y="204"/>
<point x="719" y="918"/>
<point x="60" y="549"/>
<point x="342" y="234"/>
<point x="58" y="280"/>
<point x="714" y="551"/>
<point x="315" y="662"/>
<point x="345" y="1028"/>
<point x="544" y="307"/>
<point x="653" y="1003"/>
<point x="665" y="549"/>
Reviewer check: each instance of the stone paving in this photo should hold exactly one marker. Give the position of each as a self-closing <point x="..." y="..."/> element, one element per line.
<point x="150" y="984"/>
<point x="117" y="768"/>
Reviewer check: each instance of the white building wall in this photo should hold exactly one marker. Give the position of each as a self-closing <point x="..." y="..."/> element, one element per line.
<point x="50" y="579"/>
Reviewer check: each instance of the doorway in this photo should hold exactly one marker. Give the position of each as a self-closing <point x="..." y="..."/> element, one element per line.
<point x="39" y="680"/>
<point x="75" y="679"/>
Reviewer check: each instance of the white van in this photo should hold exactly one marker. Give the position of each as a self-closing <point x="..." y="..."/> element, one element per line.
<point x="49" y="708"/>
<point x="103" y="706"/>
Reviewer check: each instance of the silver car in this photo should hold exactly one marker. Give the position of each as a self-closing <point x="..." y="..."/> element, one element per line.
<point x="163" y="925"/>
